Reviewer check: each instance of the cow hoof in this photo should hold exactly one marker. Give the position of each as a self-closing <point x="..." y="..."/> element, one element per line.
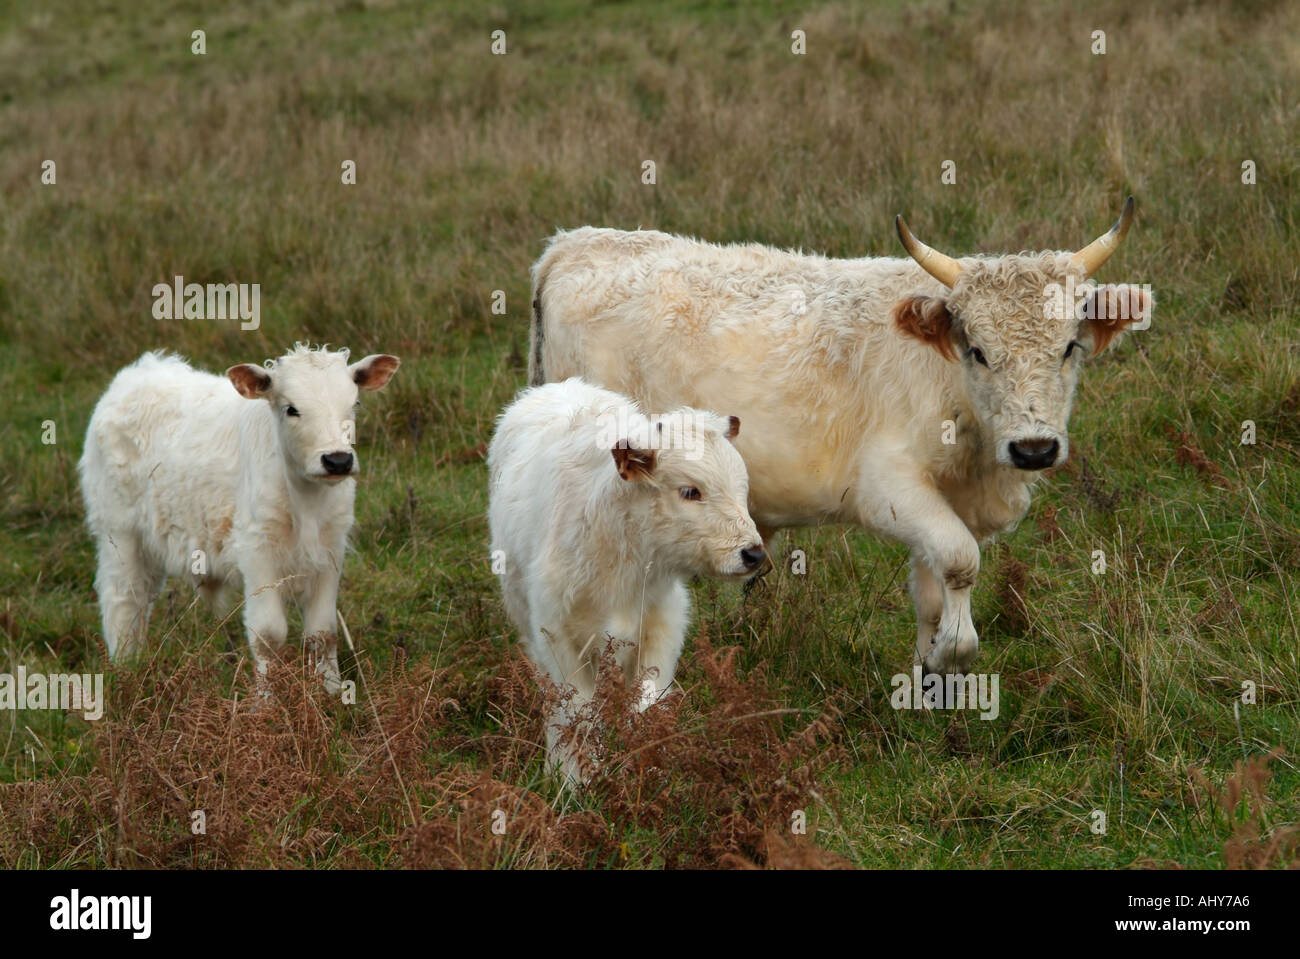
<point x="950" y="655"/>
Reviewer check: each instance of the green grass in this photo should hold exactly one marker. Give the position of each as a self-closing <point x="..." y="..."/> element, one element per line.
<point x="1115" y="688"/>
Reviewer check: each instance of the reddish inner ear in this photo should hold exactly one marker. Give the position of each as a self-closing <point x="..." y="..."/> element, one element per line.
<point x="249" y="380"/>
<point x="927" y="319"/>
<point x="377" y="372"/>
<point x="1113" y="308"/>
<point x="733" y="427"/>
<point x="633" y="464"/>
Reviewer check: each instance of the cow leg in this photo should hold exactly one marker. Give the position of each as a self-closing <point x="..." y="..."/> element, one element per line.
<point x="127" y="583"/>
<point x="318" y="626"/>
<point x="956" y="642"/>
<point x="663" y="632"/>
<point x="953" y="558"/>
<point x="927" y="598"/>
<point x="912" y="511"/>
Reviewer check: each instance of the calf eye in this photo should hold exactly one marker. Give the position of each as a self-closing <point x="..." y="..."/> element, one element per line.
<point x="1070" y="349"/>
<point x="976" y="352"/>
<point x="689" y="493"/>
<point x="291" y="411"/>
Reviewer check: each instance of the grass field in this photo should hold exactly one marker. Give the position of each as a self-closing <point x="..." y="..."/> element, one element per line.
<point x="1120" y="692"/>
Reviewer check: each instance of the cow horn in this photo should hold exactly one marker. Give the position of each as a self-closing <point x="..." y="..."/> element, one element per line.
<point x="1092" y="256"/>
<point x="943" y="268"/>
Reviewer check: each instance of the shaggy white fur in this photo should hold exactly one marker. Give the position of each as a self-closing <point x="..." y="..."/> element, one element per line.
<point x="598" y="514"/>
<point x="862" y="383"/>
<point x="184" y="476"/>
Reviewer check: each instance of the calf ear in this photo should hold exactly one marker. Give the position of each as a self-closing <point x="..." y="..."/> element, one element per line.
<point x="733" y="427"/>
<point x="251" y="381"/>
<point x="1111" y="309"/>
<point x="632" y="464"/>
<point x="374" y="372"/>
<point x="927" y="318"/>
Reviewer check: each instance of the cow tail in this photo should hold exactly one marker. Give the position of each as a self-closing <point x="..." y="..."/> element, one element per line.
<point x="536" y="374"/>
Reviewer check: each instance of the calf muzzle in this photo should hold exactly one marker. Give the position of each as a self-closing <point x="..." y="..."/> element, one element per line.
<point x="337" y="464"/>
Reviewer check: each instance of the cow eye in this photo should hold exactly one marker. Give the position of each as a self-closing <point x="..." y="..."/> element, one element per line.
<point x="689" y="493"/>
<point x="291" y="411"/>
<point x="976" y="352"/>
<point x="1070" y="349"/>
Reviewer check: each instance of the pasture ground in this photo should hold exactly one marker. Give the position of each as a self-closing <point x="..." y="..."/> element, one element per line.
<point x="1120" y="692"/>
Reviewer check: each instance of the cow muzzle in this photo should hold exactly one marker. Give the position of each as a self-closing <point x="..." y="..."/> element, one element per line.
<point x="1036" y="454"/>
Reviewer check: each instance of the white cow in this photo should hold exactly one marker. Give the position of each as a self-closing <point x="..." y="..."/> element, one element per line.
<point x="250" y="486"/>
<point x="598" y="514"/>
<point x="916" y="397"/>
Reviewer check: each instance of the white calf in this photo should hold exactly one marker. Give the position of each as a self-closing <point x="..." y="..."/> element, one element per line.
<point x="598" y="513"/>
<point x="183" y="476"/>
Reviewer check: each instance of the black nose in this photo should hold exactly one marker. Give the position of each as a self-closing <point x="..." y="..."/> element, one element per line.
<point x="337" y="464"/>
<point x="1034" y="454"/>
<point x="752" y="556"/>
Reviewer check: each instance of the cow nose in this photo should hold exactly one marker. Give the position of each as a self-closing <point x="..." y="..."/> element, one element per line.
<point x="337" y="464"/>
<point x="753" y="556"/>
<point x="1034" y="454"/>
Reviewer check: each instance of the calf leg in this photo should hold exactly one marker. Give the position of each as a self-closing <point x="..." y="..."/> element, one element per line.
<point x="568" y="727"/>
<point x="219" y="596"/>
<point x="663" y="632"/>
<point x="318" y="621"/>
<point x="569" y="660"/>
<point x="264" y="619"/>
<point x="127" y="583"/>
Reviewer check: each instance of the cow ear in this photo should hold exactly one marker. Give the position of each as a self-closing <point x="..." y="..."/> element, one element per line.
<point x="251" y="381"/>
<point x="633" y="464"/>
<point x="927" y="318"/>
<point x="374" y="372"/>
<point x="1110" y="309"/>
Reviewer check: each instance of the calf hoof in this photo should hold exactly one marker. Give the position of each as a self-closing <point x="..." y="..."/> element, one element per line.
<point x="649" y="695"/>
<point x="333" y="682"/>
<point x="652" y="695"/>
<point x="573" y="771"/>
<point x="323" y="652"/>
